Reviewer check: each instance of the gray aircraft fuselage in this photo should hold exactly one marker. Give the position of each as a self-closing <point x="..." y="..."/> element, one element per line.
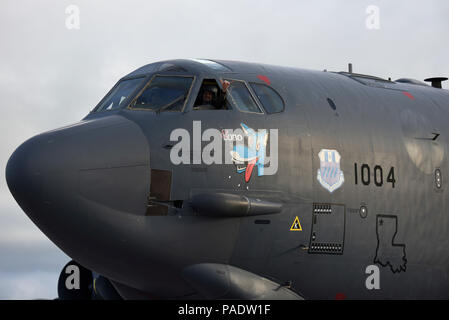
<point x="361" y="163"/>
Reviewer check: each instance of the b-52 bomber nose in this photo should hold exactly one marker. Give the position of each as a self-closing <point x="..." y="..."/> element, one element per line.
<point x="74" y="183"/>
<point x="50" y="173"/>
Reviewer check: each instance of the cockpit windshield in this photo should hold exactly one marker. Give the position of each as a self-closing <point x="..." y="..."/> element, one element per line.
<point x="165" y="93"/>
<point x="118" y="95"/>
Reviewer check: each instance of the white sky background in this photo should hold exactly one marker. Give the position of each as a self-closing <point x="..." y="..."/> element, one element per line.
<point x="51" y="76"/>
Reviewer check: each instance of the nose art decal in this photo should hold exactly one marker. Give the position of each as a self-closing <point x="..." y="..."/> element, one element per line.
<point x="247" y="156"/>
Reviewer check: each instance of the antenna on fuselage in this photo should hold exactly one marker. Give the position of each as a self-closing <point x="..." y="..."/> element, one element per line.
<point x="437" y="81"/>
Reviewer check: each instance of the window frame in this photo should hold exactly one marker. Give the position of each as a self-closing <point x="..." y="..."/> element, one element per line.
<point x="251" y="93"/>
<point x="275" y="91"/>
<point x="95" y="109"/>
<point x="139" y="93"/>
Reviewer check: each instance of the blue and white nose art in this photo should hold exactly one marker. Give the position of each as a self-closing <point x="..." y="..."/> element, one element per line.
<point x="330" y="175"/>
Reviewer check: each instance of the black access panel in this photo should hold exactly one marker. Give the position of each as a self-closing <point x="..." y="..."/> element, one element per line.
<point x="328" y="229"/>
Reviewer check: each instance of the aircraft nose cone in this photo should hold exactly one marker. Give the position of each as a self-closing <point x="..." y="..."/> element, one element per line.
<point x="49" y="173"/>
<point x="33" y="177"/>
<point x="79" y="183"/>
<point x="24" y="172"/>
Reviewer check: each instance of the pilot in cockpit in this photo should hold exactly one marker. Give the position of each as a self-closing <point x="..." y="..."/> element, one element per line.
<point x="210" y="98"/>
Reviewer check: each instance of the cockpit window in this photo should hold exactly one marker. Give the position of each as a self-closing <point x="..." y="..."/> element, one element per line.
<point x="240" y="97"/>
<point x="164" y="93"/>
<point x="119" y="94"/>
<point x="270" y="99"/>
<point x="211" y="97"/>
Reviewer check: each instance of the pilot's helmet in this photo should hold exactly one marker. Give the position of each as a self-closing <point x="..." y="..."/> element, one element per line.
<point x="212" y="89"/>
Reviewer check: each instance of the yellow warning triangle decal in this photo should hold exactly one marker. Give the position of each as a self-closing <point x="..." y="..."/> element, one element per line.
<point x="296" y="226"/>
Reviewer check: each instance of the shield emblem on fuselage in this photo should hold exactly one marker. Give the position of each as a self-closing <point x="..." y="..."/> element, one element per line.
<point x="330" y="175"/>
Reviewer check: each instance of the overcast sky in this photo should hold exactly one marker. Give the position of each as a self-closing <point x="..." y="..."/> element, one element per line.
<point x="52" y="75"/>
